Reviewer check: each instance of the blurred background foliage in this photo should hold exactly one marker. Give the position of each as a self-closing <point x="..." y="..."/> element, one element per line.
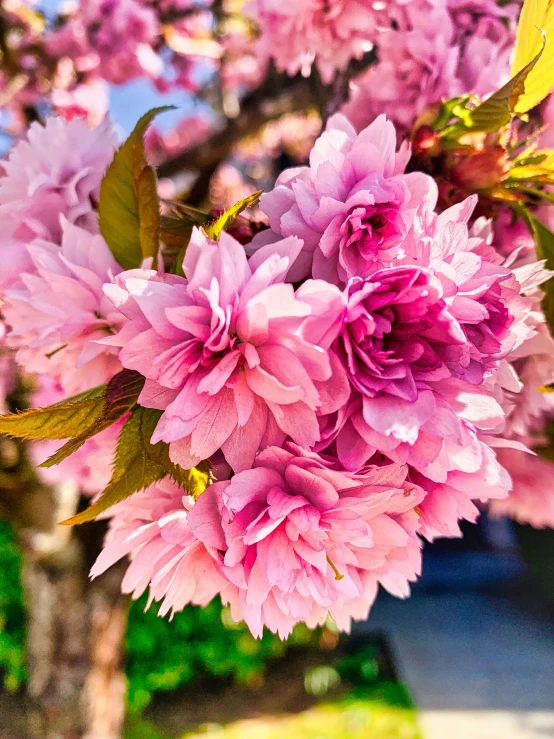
<point x="199" y="642"/>
<point x="12" y="612"/>
<point x="348" y="687"/>
<point x="161" y="655"/>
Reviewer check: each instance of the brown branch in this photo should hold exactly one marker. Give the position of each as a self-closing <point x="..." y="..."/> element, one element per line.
<point x="260" y="107"/>
<point x="276" y="96"/>
<point x="339" y="90"/>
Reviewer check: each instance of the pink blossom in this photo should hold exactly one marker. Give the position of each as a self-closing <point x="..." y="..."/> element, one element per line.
<point x="424" y="343"/>
<point x="399" y="332"/>
<point x="484" y="31"/>
<point x="437" y="437"/>
<point x="152" y="528"/>
<point x="89" y="100"/>
<point x="531" y="500"/>
<point x="57" y="311"/>
<point x="352" y="206"/>
<point x="55" y="171"/>
<point x="416" y="66"/>
<point x="430" y="50"/>
<point x="420" y="336"/>
<point x="232" y="355"/>
<point x="332" y="33"/>
<point x="463" y="472"/>
<point x="114" y="37"/>
<point x="523" y="377"/>
<point x="302" y="540"/>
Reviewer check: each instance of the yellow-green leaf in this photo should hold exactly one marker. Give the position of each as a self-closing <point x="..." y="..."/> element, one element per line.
<point x="535" y="34"/>
<point x="148" y="213"/>
<point x="138" y="464"/>
<point x="129" y="207"/>
<point x="495" y="112"/>
<point x="214" y="229"/>
<point x="119" y="398"/>
<point x="58" y="421"/>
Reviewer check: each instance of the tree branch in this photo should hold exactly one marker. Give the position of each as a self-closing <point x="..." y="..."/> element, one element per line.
<point x="276" y="96"/>
<point x="264" y="105"/>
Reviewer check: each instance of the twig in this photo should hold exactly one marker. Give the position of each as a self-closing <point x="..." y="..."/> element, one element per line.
<point x="258" y="108"/>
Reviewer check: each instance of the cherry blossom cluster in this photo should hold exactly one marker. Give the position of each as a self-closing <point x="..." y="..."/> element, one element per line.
<point x="424" y="50"/>
<point x="67" y="62"/>
<point x="354" y="374"/>
<point x="430" y="50"/>
<point x="55" y="264"/>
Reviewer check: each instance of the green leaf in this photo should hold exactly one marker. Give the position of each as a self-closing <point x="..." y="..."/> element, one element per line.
<point x="535" y="33"/>
<point x="495" y="112"/>
<point x="544" y="237"/>
<point x="538" y="166"/>
<point x="121" y="394"/>
<point x="58" y="421"/>
<point x="129" y="212"/>
<point x="138" y="464"/>
<point x="544" y="241"/>
<point x="176" y="230"/>
<point x="148" y="213"/>
<point x="213" y="230"/>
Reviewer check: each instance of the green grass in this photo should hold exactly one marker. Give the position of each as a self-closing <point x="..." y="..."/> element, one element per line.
<point x="359" y="720"/>
<point x="346" y="718"/>
<point x="313" y="694"/>
<point x="370" y="717"/>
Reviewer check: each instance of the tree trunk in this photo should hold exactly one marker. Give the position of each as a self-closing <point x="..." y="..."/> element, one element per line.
<point x="76" y="631"/>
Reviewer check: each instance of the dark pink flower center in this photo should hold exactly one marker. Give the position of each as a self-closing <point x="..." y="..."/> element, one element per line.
<point x="398" y="329"/>
<point x="371" y="228"/>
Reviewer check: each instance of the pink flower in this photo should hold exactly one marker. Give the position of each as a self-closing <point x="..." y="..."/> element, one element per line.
<point x="152" y="528"/>
<point x="521" y="383"/>
<point x="55" y="171"/>
<point x="483" y="295"/>
<point x="332" y="32"/>
<point x="424" y="344"/>
<point x="302" y="540"/>
<point x="232" y="355"/>
<point x="437" y="437"/>
<point x="352" y="206"/>
<point x="463" y="472"/>
<point x="57" y="313"/>
<point x="420" y="337"/>
<point x="115" y="37"/>
<point x="531" y="500"/>
<point x="416" y="66"/>
<point x="399" y="333"/>
<point x="428" y="51"/>
<point x="90" y="100"/>
<point x="484" y="32"/>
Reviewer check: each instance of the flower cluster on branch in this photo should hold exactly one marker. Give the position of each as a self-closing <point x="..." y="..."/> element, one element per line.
<point x="281" y="411"/>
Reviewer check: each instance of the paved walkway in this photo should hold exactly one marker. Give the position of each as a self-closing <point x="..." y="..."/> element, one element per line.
<point x="475" y="644"/>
